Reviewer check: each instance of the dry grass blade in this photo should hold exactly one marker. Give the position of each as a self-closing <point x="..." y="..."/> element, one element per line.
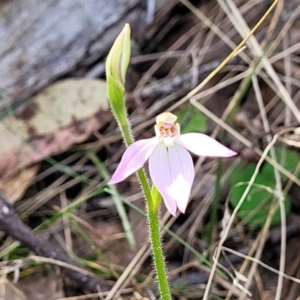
<point x="136" y="261"/>
<point x="241" y="26"/>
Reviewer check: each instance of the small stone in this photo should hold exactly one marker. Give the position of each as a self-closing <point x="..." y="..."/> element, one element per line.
<point x="5" y="210"/>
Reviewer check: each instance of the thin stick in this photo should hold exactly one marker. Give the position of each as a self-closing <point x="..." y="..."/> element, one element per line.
<point x="11" y="224"/>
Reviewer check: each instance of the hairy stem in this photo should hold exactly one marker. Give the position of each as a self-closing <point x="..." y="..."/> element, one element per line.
<point x="152" y="199"/>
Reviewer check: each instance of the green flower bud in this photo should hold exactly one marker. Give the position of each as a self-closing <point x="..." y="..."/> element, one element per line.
<point x="118" y="58"/>
<point x="116" y="66"/>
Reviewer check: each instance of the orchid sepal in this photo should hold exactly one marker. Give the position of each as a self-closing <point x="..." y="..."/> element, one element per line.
<point x="134" y="157"/>
<point x="211" y="148"/>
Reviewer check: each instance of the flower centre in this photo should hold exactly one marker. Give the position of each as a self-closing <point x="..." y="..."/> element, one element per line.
<point x="166" y="128"/>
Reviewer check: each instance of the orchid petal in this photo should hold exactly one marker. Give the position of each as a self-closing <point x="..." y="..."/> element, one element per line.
<point x="160" y="174"/>
<point x="133" y="159"/>
<point x="172" y="172"/>
<point x="182" y="170"/>
<point x="203" y="145"/>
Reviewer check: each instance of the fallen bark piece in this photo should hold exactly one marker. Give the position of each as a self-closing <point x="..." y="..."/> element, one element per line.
<point x="42" y="40"/>
<point x="58" y="117"/>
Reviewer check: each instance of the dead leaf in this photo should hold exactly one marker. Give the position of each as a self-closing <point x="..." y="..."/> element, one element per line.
<point x="14" y="187"/>
<point x="58" y="117"/>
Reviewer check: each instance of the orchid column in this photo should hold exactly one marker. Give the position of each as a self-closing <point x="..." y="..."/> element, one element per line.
<point x="170" y="164"/>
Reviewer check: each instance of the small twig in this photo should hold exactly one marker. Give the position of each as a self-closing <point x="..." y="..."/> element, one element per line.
<point x="12" y="225"/>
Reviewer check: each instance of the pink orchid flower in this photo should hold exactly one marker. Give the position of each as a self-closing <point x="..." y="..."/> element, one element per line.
<point x="170" y="164"/>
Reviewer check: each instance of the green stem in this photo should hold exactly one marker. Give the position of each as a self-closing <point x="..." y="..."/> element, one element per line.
<point x="156" y="244"/>
<point x="158" y="256"/>
<point x="126" y="130"/>
<point x="213" y="219"/>
<point x="152" y="199"/>
<point x="116" y="67"/>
